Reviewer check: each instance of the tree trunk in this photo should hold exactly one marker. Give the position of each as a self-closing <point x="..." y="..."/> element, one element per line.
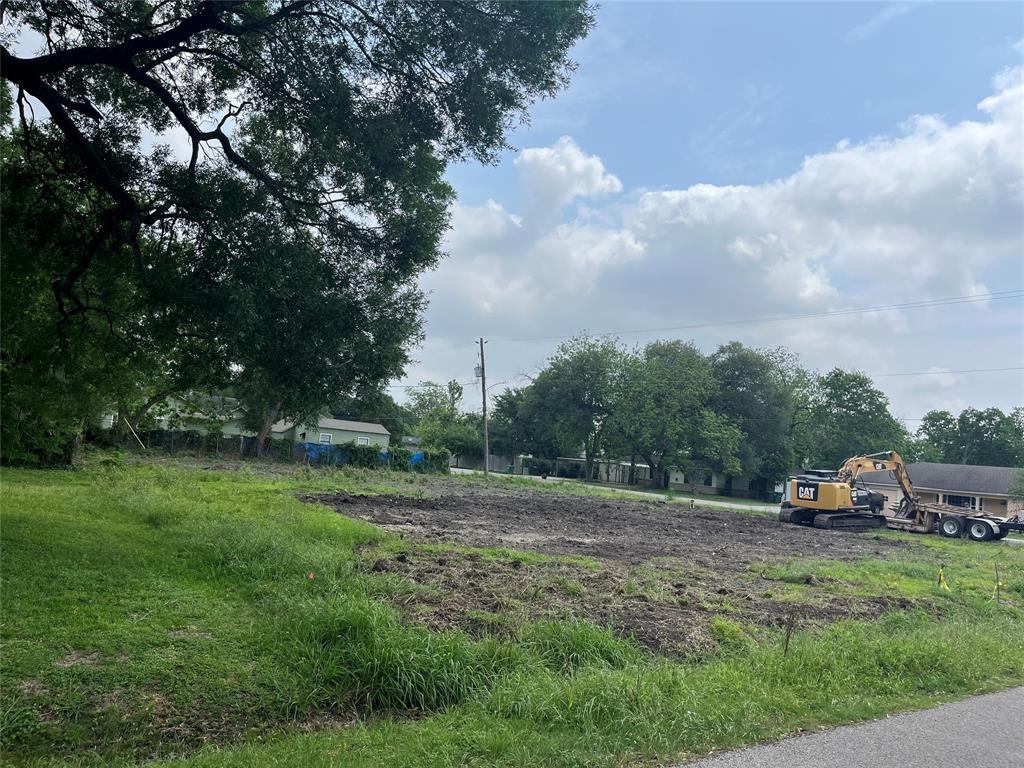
<point x="261" y="436"/>
<point x="632" y="469"/>
<point x="658" y="476"/>
<point x="123" y="419"/>
<point x="140" y="414"/>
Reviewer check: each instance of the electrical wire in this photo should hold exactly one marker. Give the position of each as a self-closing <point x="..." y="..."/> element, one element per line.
<point x="936" y="373"/>
<point x="923" y="304"/>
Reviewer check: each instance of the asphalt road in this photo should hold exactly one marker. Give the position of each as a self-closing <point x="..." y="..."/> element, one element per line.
<point x="981" y="732"/>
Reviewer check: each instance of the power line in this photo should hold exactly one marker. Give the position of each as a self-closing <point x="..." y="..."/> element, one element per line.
<point x="923" y="304"/>
<point x="936" y="373"/>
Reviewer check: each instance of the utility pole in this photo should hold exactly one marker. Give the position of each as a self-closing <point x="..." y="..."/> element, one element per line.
<point x="483" y="398"/>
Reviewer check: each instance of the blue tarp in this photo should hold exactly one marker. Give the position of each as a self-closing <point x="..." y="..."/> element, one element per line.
<point x="335" y="454"/>
<point x="321" y="453"/>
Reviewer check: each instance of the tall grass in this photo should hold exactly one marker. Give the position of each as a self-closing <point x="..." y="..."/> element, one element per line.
<point x="221" y="600"/>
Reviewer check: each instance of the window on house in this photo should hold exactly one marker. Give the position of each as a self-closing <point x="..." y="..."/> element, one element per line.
<point x="362" y="441"/>
<point x="967" y="502"/>
<point x="325" y="438"/>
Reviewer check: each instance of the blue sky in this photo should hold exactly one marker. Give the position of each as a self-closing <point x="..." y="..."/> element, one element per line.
<point x="737" y="93"/>
<point x="722" y="161"/>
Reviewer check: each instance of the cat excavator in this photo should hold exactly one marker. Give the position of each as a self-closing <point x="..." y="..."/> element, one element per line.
<point x="840" y="500"/>
<point x="836" y="500"/>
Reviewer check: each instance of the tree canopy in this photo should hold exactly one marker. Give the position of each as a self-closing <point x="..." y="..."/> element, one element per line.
<point x="277" y="247"/>
<point x="977" y="436"/>
<point x="846" y="415"/>
<point x="740" y="411"/>
<point x="570" y="401"/>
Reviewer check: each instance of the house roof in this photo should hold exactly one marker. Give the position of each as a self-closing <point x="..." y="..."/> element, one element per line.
<point x="952" y="477"/>
<point x="348" y="426"/>
<point x="353" y="426"/>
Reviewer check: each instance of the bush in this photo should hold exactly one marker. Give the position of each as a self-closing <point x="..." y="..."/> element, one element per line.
<point x="366" y="456"/>
<point x="399" y="459"/>
<point x="279" y="449"/>
<point x="434" y="460"/>
<point x="211" y="442"/>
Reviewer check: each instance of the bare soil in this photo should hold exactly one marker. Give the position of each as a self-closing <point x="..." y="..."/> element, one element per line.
<point x="656" y="572"/>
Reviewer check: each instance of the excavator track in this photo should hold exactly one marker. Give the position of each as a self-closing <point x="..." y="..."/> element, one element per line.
<point x="849" y="521"/>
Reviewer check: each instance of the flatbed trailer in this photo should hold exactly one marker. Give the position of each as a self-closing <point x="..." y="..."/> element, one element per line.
<point x="945" y="519"/>
<point x="954" y="522"/>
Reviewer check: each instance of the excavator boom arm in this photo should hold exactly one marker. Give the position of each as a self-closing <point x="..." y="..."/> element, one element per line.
<point x="889" y="461"/>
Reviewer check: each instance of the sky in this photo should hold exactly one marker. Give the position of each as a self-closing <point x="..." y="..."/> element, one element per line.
<point x="714" y="164"/>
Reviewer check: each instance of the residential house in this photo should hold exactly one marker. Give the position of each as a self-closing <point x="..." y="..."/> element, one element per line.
<point x="981" y="488"/>
<point x="209" y="414"/>
<point x="332" y="432"/>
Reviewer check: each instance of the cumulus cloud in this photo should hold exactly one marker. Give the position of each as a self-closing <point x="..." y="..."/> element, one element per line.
<point x="935" y="210"/>
<point x="557" y="175"/>
<point x="582" y="253"/>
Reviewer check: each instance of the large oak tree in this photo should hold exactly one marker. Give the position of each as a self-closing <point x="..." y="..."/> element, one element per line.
<point x="307" y="191"/>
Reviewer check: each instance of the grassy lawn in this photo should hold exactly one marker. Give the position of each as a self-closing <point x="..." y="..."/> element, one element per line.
<point x="201" y="617"/>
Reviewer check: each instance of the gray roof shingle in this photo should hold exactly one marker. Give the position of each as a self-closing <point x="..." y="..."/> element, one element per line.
<point x="326" y="423"/>
<point x="967" y="478"/>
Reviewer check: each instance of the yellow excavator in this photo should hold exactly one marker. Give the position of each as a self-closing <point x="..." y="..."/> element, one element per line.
<point x="836" y="500"/>
<point x="840" y="500"/>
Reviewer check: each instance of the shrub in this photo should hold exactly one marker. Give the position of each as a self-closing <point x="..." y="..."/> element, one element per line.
<point x="434" y="460"/>
<point x="366" y="456"/>
<point x="211" y="442"/>
<point x="279" y="449"/>
<point x="400" y="459"/>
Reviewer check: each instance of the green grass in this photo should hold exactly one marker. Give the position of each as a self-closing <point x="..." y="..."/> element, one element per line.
<point x="968" y="572"/>
<point x="149" y="609"/>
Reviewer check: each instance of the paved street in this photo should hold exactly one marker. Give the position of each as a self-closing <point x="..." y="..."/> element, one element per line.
<point x="981" y="732"/>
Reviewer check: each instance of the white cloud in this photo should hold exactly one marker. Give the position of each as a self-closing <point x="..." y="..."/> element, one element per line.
<point x="936" y="210"/>
<point x="880" y="19"/>
<point x="582" y="253"/>
<point x="555" y="176"/>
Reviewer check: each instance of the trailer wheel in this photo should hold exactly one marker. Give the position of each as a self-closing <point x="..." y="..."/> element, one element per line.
<point x="978" y="530"/>
<point x="1002" y="534"/>
<point x="951" y="527"/>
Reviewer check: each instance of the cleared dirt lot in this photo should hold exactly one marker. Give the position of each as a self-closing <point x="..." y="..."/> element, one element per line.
<point x="662" y="571"/>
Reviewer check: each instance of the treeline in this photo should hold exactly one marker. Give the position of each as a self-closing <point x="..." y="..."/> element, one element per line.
<point x="739" y="410"/>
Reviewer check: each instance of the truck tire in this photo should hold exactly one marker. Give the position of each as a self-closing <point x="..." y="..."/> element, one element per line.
<point x="979" y="530"/>
<point x="951" y="527"/>
<point x="1003" y="533"/>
